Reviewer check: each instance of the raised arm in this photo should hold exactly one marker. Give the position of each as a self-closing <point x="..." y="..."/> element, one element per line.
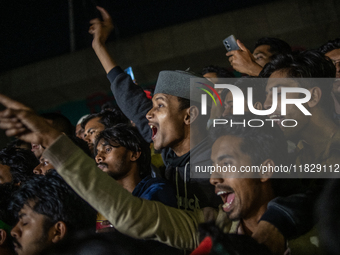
<point x="130" y="215"/>
<point x="130" y="98"/>
<point x="101" y="31"/>
<point x="243" y="61"/>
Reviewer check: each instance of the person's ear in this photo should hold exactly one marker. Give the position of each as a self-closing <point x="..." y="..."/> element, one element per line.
<point x="3" y="236"/>
<point x="316" y="94"/>
<point x="258" y="106"/>
<point x="59" y="231"/>
<point x="135" y="155"/>
<point x="268" y="164"/>
<point x="191" y="114"/>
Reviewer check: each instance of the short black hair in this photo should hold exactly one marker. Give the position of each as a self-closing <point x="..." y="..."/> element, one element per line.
<point x="128" y="137"/>
<point x="52" y="197"/>
<point x="329" y="46"/>
<point x="21" y="163"/>
<point x="108" y="117"/>
<point x="59" y="122"/>
<point x="306" y="64"/>
<point x="277" y="46"/>
<point x="221" y="72"/>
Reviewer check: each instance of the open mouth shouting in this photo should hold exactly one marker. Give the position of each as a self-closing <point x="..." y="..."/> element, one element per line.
<point x="277" y="119"/>
<point x="102" y="166"/>
<point x="154" y="131"/>
<point x="228" y="200"/>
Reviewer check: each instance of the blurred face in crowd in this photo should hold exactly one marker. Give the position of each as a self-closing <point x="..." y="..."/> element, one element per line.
<point x="278" y="80"/>
<point x="92" y="128"/>
<point x="29" y="234"/>
<point x="114" y="159"/>
<point x="262" y="55"/>
<point x="43" y="167"/>
<point x="240" y="195"/>
<point x="5" y="174"/>
<point x="37" y="149"/>
<point x="80" y="131"/>
<point x="166" y="121"/>
<point x="334" y="55"/>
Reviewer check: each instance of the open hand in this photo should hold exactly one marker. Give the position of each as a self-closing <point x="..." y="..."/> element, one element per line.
<point x="21" y="121"/>
<point x="243" y="61"/>
<point x="101" y="29"/>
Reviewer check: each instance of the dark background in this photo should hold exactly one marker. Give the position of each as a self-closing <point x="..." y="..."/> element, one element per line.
<point x="33" y="30"/>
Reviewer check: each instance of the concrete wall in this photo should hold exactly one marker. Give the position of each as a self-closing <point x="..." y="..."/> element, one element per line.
<point x="302" y="23"/>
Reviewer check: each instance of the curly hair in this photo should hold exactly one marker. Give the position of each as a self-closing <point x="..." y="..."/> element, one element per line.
<point x="329" y="46"/>
<point x="21" y="163"/>
<point x="128" y="137"/>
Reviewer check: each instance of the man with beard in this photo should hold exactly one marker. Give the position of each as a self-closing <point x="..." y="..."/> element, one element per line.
<point x="48" y="210"/>
<point x="123" y="154"/>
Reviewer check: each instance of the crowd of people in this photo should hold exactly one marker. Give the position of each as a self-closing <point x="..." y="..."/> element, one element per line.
<point x="125" y="181"/>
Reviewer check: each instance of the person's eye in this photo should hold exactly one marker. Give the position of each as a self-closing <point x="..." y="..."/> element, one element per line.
<point x="108" y="149"/>
<point x="45" y="163"/>
<point x="227" y="163"/>
<point x="160" y="105"/>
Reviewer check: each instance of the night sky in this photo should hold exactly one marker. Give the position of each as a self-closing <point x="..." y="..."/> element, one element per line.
<point x="34" y="30"/>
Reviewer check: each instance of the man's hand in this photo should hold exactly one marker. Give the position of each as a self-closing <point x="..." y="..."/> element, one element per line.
<point x="270" y="236"/>
<point x="21" y="121"/>
<point x="101" y="29"/>
<point x="243" y="61"/>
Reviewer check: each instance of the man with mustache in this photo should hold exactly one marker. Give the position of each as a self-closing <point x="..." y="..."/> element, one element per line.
<point x="47" y="210"/>
<point x="123" y="154"/>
